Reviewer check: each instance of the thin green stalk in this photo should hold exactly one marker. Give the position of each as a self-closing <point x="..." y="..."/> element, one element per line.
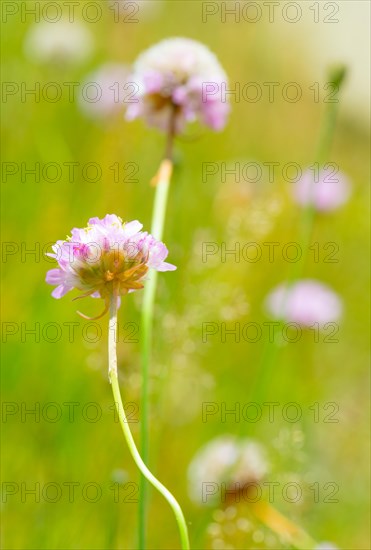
<point x="112" y="359"/>
<point x="325" y="139"/>
<point x="162" y="182"/>
<point x="336" y="77"/>
<point x="158" y="220"/>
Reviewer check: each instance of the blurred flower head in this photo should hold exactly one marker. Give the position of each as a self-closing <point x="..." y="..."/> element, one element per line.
<point x="326" y="190"/>
<point x="305" y="302"/>
<point x="171" y="77"/>
<point x="326" y="546"/>
<point x="61" y="42"/>
<point x="106" y="258"/>
<point x="108" y="91"/>
<point x="226" y="459"/>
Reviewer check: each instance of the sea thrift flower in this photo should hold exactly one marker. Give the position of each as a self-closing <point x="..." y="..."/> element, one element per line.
<point x="106" y="258"/>
<point x="326" y="191"/>
<point x="305" y="302"/>
<point x="179" y="77"/>
<point x="108" y="92"/>
<point x="326" y="546"/>
<point x="226" y="459"/>
<point x="59" y="42"/>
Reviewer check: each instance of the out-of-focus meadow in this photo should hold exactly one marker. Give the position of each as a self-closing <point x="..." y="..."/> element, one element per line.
<point x="84" y="444"/>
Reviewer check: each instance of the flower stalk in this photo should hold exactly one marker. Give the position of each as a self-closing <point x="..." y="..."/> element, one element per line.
<point x="112" y="359"/>
<point x="283" y="527"/>
<point x="162" y="183"/>
<point x="306" y="229"/>
<point x="326" y="136"/>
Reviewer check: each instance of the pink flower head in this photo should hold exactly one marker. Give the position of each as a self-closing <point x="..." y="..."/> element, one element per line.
<point x="305" y="302"/>
<point x="179" y="77"/>
<point x="106" y="257"/>
<point x="325" y="191"/>
<point x="104" y="91"/>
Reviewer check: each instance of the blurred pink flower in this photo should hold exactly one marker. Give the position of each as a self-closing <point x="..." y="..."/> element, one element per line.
<point x="326" y="190"/>
<point x="171" y="77"/>
<point x="107" y="257"/>
<point x="103" y="92"/>
<point x="226" y="459"/>
<point x="60" y="42"/>
<point x="326" y="546"/>
<point x="305" y="302"/>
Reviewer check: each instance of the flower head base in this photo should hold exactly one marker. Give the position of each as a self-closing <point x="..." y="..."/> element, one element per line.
<point x="172" y="77"/>
<point x="325" y="192"/>
<point x="226" y="459"/>
<point x="107" y="258"/>
<point x="305" y="302"/>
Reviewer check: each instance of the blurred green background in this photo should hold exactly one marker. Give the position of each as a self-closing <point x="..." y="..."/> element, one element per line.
<point x="185" y="372"/>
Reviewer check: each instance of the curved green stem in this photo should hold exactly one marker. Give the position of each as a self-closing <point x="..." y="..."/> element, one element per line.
<point x="112" y="359"/>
